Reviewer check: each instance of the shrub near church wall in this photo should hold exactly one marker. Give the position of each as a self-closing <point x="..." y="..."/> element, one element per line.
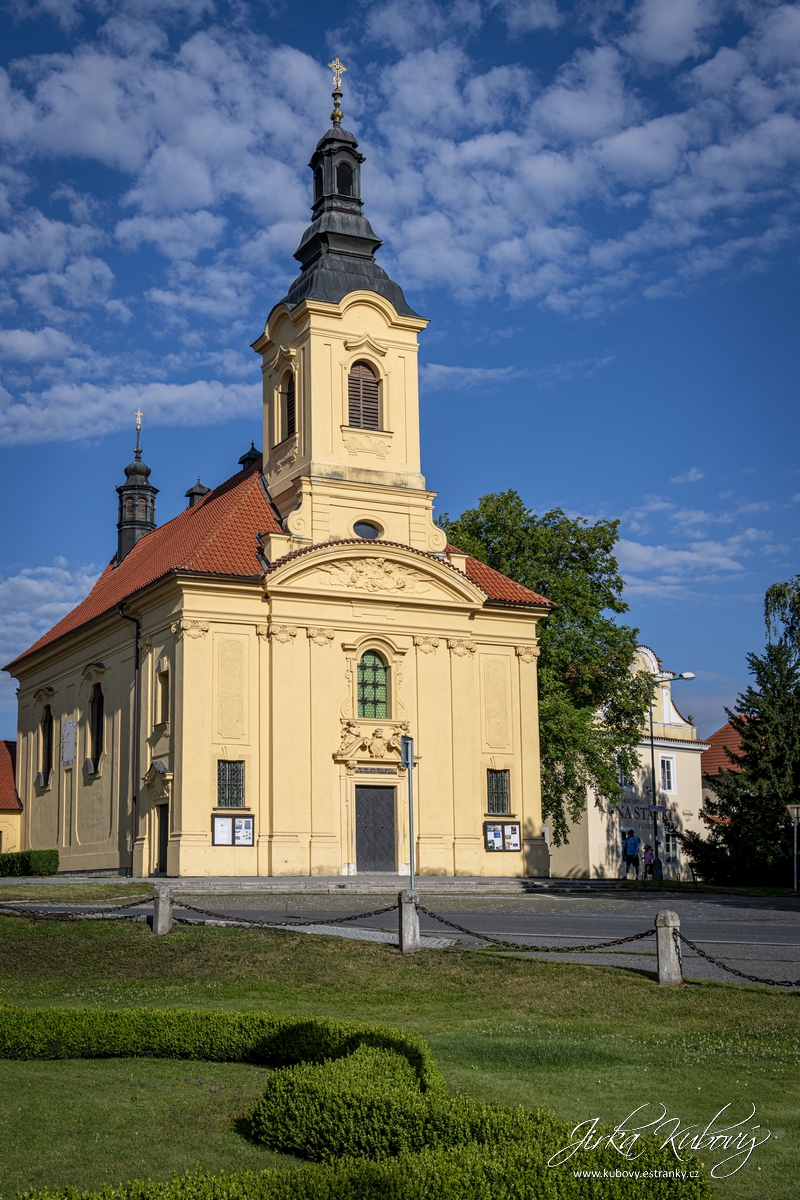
<point x="29" y="862"/>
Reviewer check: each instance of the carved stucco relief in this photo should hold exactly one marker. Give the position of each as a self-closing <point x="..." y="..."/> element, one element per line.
<point x="366" y="443"/>
<point x="461" y="646"/>
<point x="376" y="575"/>
<point x="190" y="628"/>
<point x="427" y="645"/>
<point x="320" y="636"/>
<point x="283" y="633"/>
<point x="527" y="654"/>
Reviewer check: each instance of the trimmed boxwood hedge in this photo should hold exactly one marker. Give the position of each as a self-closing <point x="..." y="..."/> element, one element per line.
<point x="367" y="1101"/>
<point x="29" y="862"/>
<point x="216" y="1036"/>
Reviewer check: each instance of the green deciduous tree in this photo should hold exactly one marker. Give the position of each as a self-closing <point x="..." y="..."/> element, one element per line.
<point x="750" y="839"/>
<point x="586" y="655"/>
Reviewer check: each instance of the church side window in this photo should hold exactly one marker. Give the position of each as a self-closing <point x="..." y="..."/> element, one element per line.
<point x="46" y="759"/>
<point x="230" y="783"/>
<point x="96" y="724"/>
<point x="497" y="792"/>
<point x="372" y="685"/>
<point x="362" y="396"/>
<point x="162" y="700"/>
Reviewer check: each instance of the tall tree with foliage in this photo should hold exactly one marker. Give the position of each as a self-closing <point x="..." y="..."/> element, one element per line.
<point x="591" y="705"/>
<point x="750" y="838"/>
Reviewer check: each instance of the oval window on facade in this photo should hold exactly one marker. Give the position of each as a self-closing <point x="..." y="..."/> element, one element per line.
<point x="365" y="529"/>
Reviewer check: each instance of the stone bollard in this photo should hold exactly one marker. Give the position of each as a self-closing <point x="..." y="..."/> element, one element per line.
<point x="162" y="909"/>
<point x="668" y="925"/>
<point x="409" y="923"/>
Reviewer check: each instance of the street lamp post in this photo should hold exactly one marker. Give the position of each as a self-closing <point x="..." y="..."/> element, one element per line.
<point x="794" y="810"/>
<point x="664" y="677"/>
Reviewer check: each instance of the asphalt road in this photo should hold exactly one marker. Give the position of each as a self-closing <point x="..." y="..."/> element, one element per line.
<point x="759" y="936"/>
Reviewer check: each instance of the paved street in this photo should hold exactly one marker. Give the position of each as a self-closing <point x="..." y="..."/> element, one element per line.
<point x="757" y="935"/>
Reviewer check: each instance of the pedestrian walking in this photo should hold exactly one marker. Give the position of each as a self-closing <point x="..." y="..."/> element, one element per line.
<point x="632" y="845"/>
<point x="647" y="858"/>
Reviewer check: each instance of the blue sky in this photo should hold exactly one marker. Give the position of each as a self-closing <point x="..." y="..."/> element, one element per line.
<point x="596" y="204"/>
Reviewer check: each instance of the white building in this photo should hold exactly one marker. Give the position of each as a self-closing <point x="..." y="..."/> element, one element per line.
<point x="594" y="850"/>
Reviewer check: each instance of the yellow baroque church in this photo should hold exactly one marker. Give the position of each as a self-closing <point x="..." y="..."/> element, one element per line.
<point x="230" y="698"/>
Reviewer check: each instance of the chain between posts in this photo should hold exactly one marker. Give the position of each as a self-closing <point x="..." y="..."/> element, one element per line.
<point x="733" y="971"/>
<point x="483" y="937"/>
<point x="255" y="922"/>
<point x="45" y="914"/>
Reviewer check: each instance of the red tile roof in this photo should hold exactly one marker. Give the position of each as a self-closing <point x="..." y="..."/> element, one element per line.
<point x="9" y="800"/>
<point x="216" y="536"/>
<point x="715" y="759"/>
<point x="499" y="587"/>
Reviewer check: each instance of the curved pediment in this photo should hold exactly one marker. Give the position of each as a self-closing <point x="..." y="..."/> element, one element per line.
<point x="376" y="570"/>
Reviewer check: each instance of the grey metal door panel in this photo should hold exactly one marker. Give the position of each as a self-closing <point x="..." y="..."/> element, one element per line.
<point x="375" y="836"/>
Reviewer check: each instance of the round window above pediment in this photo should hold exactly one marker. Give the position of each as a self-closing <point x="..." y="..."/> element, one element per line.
<point x="366" y="530"/>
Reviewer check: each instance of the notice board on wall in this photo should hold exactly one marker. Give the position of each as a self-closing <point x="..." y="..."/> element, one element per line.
<point x="502" y="836"/>
<point x="231" y="831"/>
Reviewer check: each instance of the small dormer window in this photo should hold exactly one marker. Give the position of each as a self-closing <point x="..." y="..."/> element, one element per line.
<point x="344" y="179"/>
<point x="362" y="396"/>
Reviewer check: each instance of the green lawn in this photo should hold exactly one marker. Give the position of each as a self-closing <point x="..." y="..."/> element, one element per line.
<point x="586" y="1041"/>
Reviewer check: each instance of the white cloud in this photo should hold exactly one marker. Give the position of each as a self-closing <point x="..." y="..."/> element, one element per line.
<point x="579" y="193"/>
<point x="26" y="345"/>
<point x="31" y="602"/>
<point x="73" y="411"/>
<point x="673" y="565"/>
<point x="668" y="31"/>
<point x="690" y="476"/>
<point x="436" y="377"/>
<point x="525" y="16"/>
<point x="176" y="237"/>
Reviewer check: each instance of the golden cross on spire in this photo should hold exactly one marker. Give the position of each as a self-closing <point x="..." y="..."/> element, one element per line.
<point x="339" y="70"/>
<point x="138" y="415"/>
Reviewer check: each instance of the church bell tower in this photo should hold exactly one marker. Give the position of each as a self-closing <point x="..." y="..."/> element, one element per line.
<point x="137" y="501"/>
<point x="339" y="361"/>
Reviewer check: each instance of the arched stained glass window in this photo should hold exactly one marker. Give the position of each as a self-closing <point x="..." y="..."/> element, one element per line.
<point x="362" y="396"/>
<point x="373" y="679"/>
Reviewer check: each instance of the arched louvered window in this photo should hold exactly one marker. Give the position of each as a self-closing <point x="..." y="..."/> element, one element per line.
<point x="288" y="408"/>
<point x="344" y="179"/>
<point x="96" y="724"/>
<point x="47" y="743"/>
<point x="141" y="509"/>
<point x="362" y="395"/>
<point x="318" y="184"/>
<point x="129" y="509"/>
<point x="373" y="685"/>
